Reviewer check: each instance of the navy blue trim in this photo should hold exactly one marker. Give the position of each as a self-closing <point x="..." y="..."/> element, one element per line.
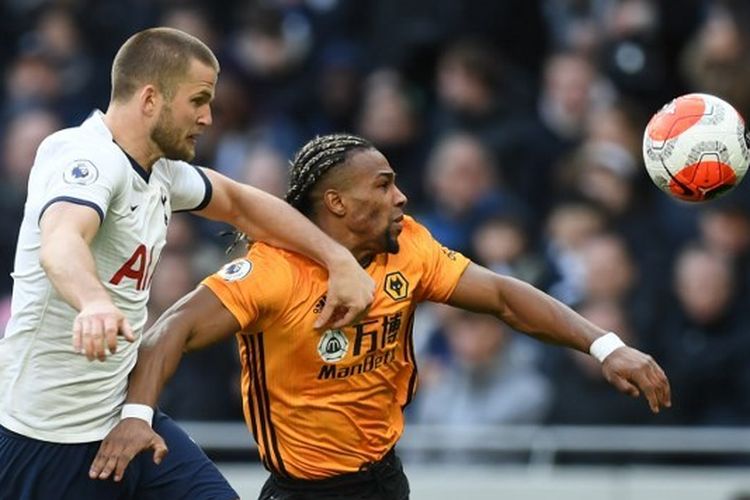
<point x="264" y="385"/>
<point x="142" y="172"/>
<point x="207" y="194"/>
<point x="76" y="201"/>
<point x="409" y="357"/>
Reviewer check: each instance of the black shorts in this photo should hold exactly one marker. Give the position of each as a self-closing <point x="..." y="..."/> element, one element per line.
<point x="383" y="480"/>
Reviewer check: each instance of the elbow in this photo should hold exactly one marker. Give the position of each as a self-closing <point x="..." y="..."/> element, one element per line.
<point x="46" y="259"/>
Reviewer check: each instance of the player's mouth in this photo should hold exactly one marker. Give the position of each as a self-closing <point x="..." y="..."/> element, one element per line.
<point x="398" y="223"/>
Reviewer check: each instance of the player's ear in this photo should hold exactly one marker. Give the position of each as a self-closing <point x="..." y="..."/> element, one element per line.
<point x="149" y="98"/>
<point x="334" y="202"/>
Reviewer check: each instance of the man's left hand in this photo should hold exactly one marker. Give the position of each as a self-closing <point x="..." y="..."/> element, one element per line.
<point x="634" y="372"/>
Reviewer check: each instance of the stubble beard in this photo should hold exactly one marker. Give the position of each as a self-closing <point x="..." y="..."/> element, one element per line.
<point x="391" y="242"/>
<point x="167" y="137"/>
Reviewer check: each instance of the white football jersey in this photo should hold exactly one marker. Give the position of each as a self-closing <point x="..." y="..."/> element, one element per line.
<point x="47" y="391"/>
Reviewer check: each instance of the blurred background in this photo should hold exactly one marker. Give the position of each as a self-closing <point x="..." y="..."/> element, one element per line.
<point x="515" y="129"/>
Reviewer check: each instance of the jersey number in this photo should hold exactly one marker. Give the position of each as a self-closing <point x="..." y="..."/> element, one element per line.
<point x="136" y="268"/>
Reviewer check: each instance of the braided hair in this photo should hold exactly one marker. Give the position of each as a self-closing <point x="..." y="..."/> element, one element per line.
<point x="309" y="165"/>
<point x="313" y="160"/>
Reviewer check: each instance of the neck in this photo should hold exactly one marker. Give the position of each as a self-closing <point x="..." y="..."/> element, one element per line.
<point x="130" y="132"/>
<point x="363" y="253"/>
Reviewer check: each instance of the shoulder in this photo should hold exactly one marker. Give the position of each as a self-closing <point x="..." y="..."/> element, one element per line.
<point x="414" y="234"/>
<point x="176" y="167"/>
<point x="278" y="260"/>
<point x="77" y="143"/>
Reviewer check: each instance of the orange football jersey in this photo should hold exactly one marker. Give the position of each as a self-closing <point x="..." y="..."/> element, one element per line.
<point x="324" y="403"/>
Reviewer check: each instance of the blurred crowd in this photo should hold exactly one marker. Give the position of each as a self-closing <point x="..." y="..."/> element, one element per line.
<point x="515" y="129"/>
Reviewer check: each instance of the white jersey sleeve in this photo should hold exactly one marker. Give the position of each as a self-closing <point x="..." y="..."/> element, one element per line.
<point x="190" y="189"/>
<point x="78" y="176"/>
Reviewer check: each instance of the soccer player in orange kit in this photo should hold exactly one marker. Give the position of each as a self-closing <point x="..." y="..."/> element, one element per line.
<point x="326" y="407"/>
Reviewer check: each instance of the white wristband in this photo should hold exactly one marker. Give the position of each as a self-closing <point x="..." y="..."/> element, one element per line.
<point x="605" y="345"/>
<point x="144" y="412"/>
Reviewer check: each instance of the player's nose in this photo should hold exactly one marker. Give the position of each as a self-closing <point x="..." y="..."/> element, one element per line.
<point x="205" y="118"/>
<point x="401" y="198"/>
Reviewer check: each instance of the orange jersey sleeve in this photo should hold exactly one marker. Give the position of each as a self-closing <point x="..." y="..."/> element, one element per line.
<point x="441" y="266"/>
<point x="254" y="288"/>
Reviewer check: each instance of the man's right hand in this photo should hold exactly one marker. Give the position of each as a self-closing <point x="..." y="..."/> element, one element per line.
<point x="96" y="328"/>
<point x="130" y="437"/>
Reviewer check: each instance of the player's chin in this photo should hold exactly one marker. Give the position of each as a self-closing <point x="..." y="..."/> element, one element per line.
<point x="186" y="154"/>
<point x="180" y="154"/>
<point x="189" y="152"/>
<point x="391" y="242"/>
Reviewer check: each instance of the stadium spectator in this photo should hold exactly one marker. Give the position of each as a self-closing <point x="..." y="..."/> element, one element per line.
<point x="390" y="118"/>
<point x="463" y="187"/>
<point x="703" y="339"/>
<point x="489" y="378"/>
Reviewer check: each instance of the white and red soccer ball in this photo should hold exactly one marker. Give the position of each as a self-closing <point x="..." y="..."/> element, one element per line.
<point x="695" y="148"/>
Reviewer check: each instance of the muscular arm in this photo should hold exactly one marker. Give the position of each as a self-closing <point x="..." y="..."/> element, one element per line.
<point x="266" y="218"/>
<point x="524" y="308"/>
<point x="66" y="233"/>
<point x="67" y="230"/>
<point x="196" y="321"/>
<point x="535" y="313"/>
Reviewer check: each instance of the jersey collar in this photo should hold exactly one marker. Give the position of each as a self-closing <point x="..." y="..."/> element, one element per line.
<point x="95" y="122"/>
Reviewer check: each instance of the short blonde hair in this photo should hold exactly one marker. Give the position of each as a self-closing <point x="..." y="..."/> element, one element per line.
<point x="159" y="56"/>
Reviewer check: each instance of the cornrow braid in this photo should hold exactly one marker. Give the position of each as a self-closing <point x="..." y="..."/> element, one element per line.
<point x="313" y="160"/>
<point x="309" y="165"/>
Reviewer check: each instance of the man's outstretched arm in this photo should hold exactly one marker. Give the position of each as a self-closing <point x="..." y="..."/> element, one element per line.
<point x="264" y="217"/>
<point x="533" y="312"/>
<point x="197" y="320"/>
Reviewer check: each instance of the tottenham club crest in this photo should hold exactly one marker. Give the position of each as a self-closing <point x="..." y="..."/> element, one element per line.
<point x="236" y="270"/>
<point x="333" y="346"/>
<point x="81" y="172"/>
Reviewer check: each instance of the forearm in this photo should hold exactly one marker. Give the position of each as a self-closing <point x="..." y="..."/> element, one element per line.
<point x="196" y="321"/>
<point x="158" y="358"/>
<point x="69" y="265"/>
<point x="535" y="313"/>
<point x="266" y="218"/>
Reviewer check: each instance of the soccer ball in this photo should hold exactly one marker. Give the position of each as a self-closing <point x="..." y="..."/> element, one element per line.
<point x="696" y="148"/>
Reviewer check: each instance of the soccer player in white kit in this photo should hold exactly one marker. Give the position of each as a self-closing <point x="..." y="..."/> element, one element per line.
<point x="99" y="202"/>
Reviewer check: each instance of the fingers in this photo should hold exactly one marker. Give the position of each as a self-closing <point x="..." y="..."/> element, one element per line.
<point x="77" y="335"/>
<point x="350" y="293"/>
<point x="95" y="331"/>
<point x="100" y="461"/>
<point x="662" y="391"/>
<point x="654" y="385"/>
<point x="120" y="465"/>
<point x="347" y="317"/>
<point x="88" y="334"/>
<point x="633" y="373"/>
<point x="665" y="389"/>
<point x="325" y="315"/>
<point x="121" y="446"/>
<point x="626" y="387"/>
<point x="110" y="333"/>
<point x="337" y="315"/>
<point x="127" y="331"/>
<point x="160" y="449"/>
<point x="110" y="458"/>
